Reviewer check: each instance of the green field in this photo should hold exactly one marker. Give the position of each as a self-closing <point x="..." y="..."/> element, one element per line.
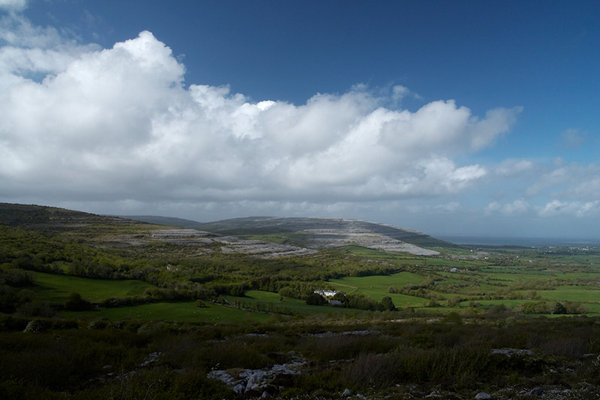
<point x="373" y="254"/>
<point x="272" y="302"/>
<point x="583" y="294"/>
<point x="489" y="303"/>
<point x="487" y="287"/>
<point x="378" y="286"/>
<point x="179" y="312"/>
<point x="258" y="305"/>
<point x="56" y="288"/>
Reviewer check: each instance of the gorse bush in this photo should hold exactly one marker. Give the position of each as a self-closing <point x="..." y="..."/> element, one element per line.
<point x="16" y="277"/>
<point x="76" y="303"/>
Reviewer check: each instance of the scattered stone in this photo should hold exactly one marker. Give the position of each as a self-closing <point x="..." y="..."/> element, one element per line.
<point x="512" y="352"/>
<point x="265" y="335"/>
<point x="365" y="238"/>
<point x="537" y="391"/>
<point x="151" y="359"/>
<point x="361" y="333"/>
<point x="99" y="323"/>
<point x="483" y="396"/>
<point x="259" y="248"/>
<point x="255" y="382"/>
<point x="230" y="244"/>
<point x="347" y="333"/>
<point x="35" y="326"/>
<point x="558" y="391"/>
<point x="239" y="388"/>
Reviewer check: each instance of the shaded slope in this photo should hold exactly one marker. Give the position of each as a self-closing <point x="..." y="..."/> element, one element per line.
<point x="27" y="215"/>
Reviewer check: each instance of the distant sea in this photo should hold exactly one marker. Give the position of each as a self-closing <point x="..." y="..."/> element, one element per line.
<point x="515" y="241"/>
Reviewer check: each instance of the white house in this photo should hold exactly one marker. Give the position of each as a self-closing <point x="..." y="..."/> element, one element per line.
<point x="326" y="293"/>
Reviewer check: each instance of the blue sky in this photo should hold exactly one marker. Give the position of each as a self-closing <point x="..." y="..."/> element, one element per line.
<point x="453" y="118"/>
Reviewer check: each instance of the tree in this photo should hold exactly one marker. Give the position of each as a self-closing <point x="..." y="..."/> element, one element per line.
<point x="388" y="304"/>
<point x="315" y="299"/>
<point x="341" y="297"/>
<point x="559" y="309"/>
<point x="77" y="303"/>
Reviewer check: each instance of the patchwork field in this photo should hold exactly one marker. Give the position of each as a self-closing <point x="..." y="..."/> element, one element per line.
<point x="377" y="287"/>
<point x="178" y="312"/>
<point x="461" y="290"/>
<point x="96" y="307"/>
<point x="56" y="288"/>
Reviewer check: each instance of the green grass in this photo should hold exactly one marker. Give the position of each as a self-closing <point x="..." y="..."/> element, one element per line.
<point x="582" y="294"/>
<point x="517" y="275"/>
<point x="579" y="276"/>
<point x="488" y="303"/>
<point x="378" y="286"/>
<point x="373" y="254"/>
<point x="471" y="281"/>
<point x="285" y="305"/>
<point x="56" y="288"/>
<point x="179" y="312"/>
<point x="445" y="262"/>
<point x="593" y="309"/>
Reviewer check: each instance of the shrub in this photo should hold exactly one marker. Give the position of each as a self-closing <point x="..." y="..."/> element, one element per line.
<point x="238" y="290"/>
<point x="388" y="304"/>
<point x="574" y="307"/>
<point x="200" y="304"/>
<point x="558" y="309"/>
<point x="315" y="299"/>
<point x="36" y="326"/>
<point x="454" y="301"/>
<point x="539" y="307"/>
<point x="99" y="323"/>
<point x="77" y="303"/>
<point x="432" y="303"/>
<point x="362" y="302"/>
<point x="370" y="370"/>
<point x="287" y="291"/>
<point x="453" y="318"/>
<point x="341" y="297"/>
<point x="16" y="277"/>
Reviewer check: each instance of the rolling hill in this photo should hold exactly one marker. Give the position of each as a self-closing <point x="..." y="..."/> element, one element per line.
<point x="315" y="232"/>
<point x="265" y="236"/>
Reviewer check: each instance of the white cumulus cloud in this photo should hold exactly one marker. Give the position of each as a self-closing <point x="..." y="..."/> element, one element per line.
<point x="13" y="5"/>
<point x="517" y="207"/>
<point x="573" y="181"/>
<point x="80" y="122"/>
<point x="570" y="208"/>
<point x="513" y="167"/>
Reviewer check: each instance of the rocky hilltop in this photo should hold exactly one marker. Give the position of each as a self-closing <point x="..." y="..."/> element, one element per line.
<point x="265" y="237"/>
<point x="316" y="232"/>
<point x="119" y="232"/>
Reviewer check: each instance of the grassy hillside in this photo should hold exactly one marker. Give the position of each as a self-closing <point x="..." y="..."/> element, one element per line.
<point x="56" y="288"/>
<point x="169" y="313"/>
